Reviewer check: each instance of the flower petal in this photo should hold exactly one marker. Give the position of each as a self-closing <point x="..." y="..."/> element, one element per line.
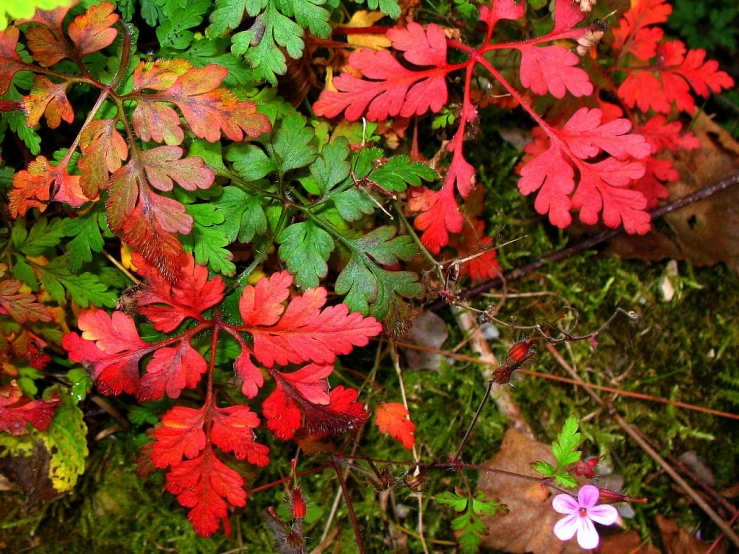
<point x="605" y="515"/>
<point x="587" y="536"/>
<point x="566" y="527"/>
<point x="565" y="504"/>
<point x="588" y="496"/>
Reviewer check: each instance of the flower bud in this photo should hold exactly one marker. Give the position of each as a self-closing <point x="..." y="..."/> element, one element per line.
<point x="612" y="497"/>
<point x="298" y="504"/>
<point x="519" y="351"/>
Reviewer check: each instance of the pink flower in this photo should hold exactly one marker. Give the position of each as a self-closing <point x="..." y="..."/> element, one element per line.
<point x="581" y="515"/>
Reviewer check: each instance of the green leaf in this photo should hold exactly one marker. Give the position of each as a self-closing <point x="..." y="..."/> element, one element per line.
<point x="84" y="288"/>
<point x="44" y="234"/>
<point x="565" y="479"/>
<point x="81" y="383"/>
<point x="564" y="448"/>
<point x="173" y="30"/>
<point x="458" y="503"/>
<point x="293" y="146"/>
<point x="331" y="167"/>
<point x="399" y="172"/>
<point x="209" y="152"/>
<point x="207" y="240"/>
<point x="87" y="238"/>
<point x="543" y="468"/>
<point x="24" y="272"/>
<point x="352" y="204"/>
<point x="388" y="7"/>
<point x="364" y="282"/>
<point x="482" y="507"/>
<point x="305" y="247"/>
<point x="249" y="161"/>
<point x="243" y="215"/>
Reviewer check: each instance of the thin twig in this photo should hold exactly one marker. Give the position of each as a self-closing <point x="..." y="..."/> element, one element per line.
<point x="122" y="269"/>
<point x="595" y="240"/>
<point x="349" y="506"/>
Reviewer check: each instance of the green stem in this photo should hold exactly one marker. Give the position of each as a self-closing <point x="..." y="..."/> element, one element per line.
<point x="424" y="251"/>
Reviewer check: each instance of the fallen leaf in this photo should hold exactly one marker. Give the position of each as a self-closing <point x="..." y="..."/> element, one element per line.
<point x="528" y="526"/>
<point x="704" y="233"/>
<point x="626" y="543"/>
<point x="363" y="18"/>
<point x="679" y="541"/>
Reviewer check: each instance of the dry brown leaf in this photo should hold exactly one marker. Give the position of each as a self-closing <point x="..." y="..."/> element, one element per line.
<point x="706" y="232"/>
<point x="626" y="543"/>
<point x="678" y="541"/>
<point x="528" y="526"/>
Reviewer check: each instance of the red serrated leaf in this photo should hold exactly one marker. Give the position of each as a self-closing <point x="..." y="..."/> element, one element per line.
<point x="551" y="69"/>
<point x="17" y="410"/>
<point x="585" y="135"/>
<point x="662" y="135"/>
<point x="342" y="414"/>
<point x="167" y="305"/>
<point x="20" y="306"/>
<point x="103" y="151"/>
<point x="233" y="431"/>
<point x="180" y="436"/>
<point x="92" y="31"/>
<point x="604" y="188"/>
<point x="675" y="73"/>
<point x="32" y="187"/>
<point x="45" y="41"/>
<point x="282" y="413"/>
<point x="147" y="221"/>
<point x="205" y="484"/>
<point x="208" y="110"/>
<point x="170" y="370"/>
<point x="48" y="99"/>
<point x="651" y="185"/>
<point x="633" y="35"/>
<point x="310" y="382"/>
<point x="392" y="418"/>
<point x="566" y="15"/>
<point x="501" y="9"/>
<point x="440" y="215"/>
<point x="392" y="89"/>
<point x="10" y="63"/>
<point x="300" y="332"/>
<point x="111" y="346"/>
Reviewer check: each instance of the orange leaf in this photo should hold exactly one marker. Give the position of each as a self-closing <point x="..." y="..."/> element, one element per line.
<point x="48" y="99"/>
<point x="32" y="187"/>
<point x="103" y="150"/>
<point x="93" y="30"/>
<point x="45" y="40"/>
<point x="392" y="418"/>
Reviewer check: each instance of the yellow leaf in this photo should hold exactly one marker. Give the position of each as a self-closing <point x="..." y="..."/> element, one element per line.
<point x="364" y="18"/>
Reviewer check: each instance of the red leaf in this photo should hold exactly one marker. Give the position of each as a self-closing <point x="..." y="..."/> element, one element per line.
<point x="233" y="432"/>
<point x="342" y="414"/>
<point x="392" y="418"/>
<point x="20" y="306"/>
<point x="148" y="221"/>
<point x="45" y="41"/>
<point x="10" y="63"/>
<point x="662" y="135"/>
<point x="180" y="436"/>
<point x="32" y="187"/>
<point x="676" y="73"/>
<point x="651" y="184"/>
<point x="566" y="15"/>
<point x="208" y="110"/>
<point x="112" y="347"/>
<point x="501" y="9"/>
<point x="392" y="89"/>
<point x="93" y="30"/>
<point x="602" y="186"/>
<point x="103" y="150"/>
<point x="171" y="370"/>
<point x="282" y="413"/>
<point x="167" y="305"/>
<point x="205" y="484"/>
<point x="48" y="99"/>
<point x="440" y="216"/>
<point x="17" y="410"/>
<point x="300" y="332"/>
<point x="586" y="136"/>
<point x="310" y="382"/>
<point x="632" y="34"/>
<point x="551" y="69"/>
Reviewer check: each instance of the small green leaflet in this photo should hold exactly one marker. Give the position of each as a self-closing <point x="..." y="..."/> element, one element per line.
<point x="353" y="204"/>
<point x="565" y="447"/>
<point x="84" y="288"/>
<point x="305" y="247"/>
<point x="207" y="240"/>
<point x="293" y="146"/>
<point x="364" y="282"/>
<point x="388" y="7"/>
<point x="331" y="167"/>
<point x="249" y="161"/>
<point x="399" y="171"/>
<point x="43" y="235"/>
<point x="87" y="237"/>
<point x="173" y="30"/>
<point x="273" y="26"/>
<point x="471" y="527"/>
